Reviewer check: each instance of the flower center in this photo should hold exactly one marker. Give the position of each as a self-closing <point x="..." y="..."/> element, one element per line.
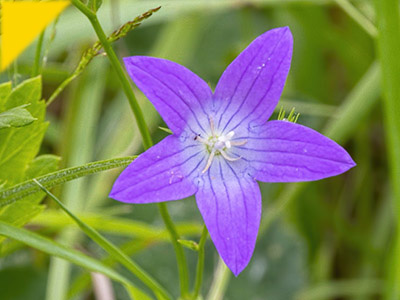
<point x="218" y="144"/>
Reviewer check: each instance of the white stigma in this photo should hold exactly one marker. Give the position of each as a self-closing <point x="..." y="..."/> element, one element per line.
<point x="218" y="144"/>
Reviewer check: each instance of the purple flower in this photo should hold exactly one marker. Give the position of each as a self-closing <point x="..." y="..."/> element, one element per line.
<point x="222" y="142"/>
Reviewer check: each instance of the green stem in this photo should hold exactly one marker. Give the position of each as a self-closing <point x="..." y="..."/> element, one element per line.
<point x="220" y="282"/>
<point x="147" y="142"/>
<point x="36" y="65"/>
<point x="110" y="248"/>
<point x="144" y="131"/>
<point x="200" y="263"/>
<point x="180" y="254"/>
<point x="388" y="42"/>
<point x="60" y="88"/>
<point x="358" y="17"/>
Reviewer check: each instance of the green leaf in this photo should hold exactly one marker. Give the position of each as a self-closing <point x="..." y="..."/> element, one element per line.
<point x="20" y="145"/>
<point x="42" y="165"/>
<point x="5" y="90"/>
<point x="95" y="4"/>
<point x="50" y="247"/>
<point x="16" y="117"/>
<point x="28" y="187"/>
<point x="19" y="213"/>
<point x="192" y="245"/>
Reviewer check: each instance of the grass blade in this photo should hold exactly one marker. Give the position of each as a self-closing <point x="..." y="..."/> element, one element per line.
<point x="52" y="248"/>
<point x="110" y="248"/>
<point x="29" y="187"/>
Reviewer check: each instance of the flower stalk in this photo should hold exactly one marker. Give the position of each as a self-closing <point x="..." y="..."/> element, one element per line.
<point x="200" y="264"/>
<point x="144" y="131"/>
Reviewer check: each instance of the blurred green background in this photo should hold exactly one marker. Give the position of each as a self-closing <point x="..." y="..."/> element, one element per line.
<point x="330" y="239"/>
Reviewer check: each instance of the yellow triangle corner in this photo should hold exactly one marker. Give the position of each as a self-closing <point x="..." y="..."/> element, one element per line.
<point x="22" y="22"/>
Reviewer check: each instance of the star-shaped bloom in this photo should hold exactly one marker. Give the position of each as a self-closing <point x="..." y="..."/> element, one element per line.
<point x="222" y="143"/>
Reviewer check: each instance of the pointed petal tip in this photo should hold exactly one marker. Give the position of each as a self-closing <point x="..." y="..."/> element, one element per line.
<point x="351" y="163"/>
<point x="285" y="30"/>
<point x="237" y="268"/>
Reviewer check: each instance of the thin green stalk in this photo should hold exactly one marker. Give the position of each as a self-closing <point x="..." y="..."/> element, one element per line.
<point x="144" y="131"/>
<point x="357" y="16"/>
<point x="388" y="42"/>
<point x="36" y="65"/>
<point x="220" y="282"/>
<point x="147" y="142"/>
<point x="111" y="248"/>
<point x="180" y="254"/>
<point x="93" y="51"/>
<point x="200" y="264"/>
<point x="28" y="187"/>
<point x="60" y="88"/>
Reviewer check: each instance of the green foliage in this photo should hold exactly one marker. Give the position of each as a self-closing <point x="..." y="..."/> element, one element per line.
<point x="15" y="117"/>
<point x="50" y="247"/>
<point x="49" y="180"/>
<point x="388" y="42"/>
<point x="5" y="90"/>
<point x="94" y="5"/>
<point x="20" y="145"/>
<point x="94" y="51"/>
<point x="17" y="154"/>
<point x="110" y="248"/>
<point x="42" y="165"/>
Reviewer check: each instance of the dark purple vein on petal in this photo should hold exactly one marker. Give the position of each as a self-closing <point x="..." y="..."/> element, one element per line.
<point x="254" y="82"/>
<point x="179" y="96"/>
<point x="261" y="99"/>
<point x="293" y="153"/>
<point x="217" y="212"/>
<point x="190" y="89"/>
<point x="281" y="165"/>
<point x="230" y="213"/>
<point x="237" y="85"/>
<point x="191" y="172"/>
<point x="276" y="139"/>
<point x="244" y="201"/>
<point x="169" y="168"/>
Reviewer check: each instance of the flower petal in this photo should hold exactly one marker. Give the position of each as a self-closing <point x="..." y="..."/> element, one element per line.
<point x="231" y="208"/>
<point x="251" y="86"/>
<point x="281" y="151"/>
<point x="160" y="174"/>
<point x="178" y="94"/>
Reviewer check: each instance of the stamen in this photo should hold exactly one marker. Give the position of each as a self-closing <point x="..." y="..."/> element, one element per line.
<point x="238" y="143"/>
<point x="212" y="126"/>
<point x="210" y="158"/>
<point x="201" y="140"/>
<point x="223" y="153"/>
<point x="292" y="117"/>
<point x="218" y="144"/>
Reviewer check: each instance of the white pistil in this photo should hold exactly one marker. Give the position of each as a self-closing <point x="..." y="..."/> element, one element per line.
<point x="209" y="161"/>
<point x="223" y="153"/>
<point x="218" y="144"/>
